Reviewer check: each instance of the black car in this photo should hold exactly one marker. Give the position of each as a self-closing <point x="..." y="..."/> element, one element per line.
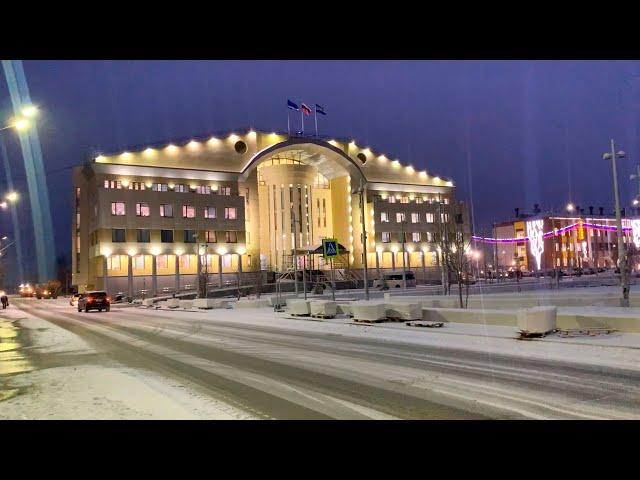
<point x="97" y="300"/>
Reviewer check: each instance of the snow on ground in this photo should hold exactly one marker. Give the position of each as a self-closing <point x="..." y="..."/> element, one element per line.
<point x="94" y="391"/>
<point x="620" y="350"/>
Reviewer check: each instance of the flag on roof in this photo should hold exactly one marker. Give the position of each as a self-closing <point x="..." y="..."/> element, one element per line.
<point x="306" y="110"/>
<point x="320" y="110"/>
<point x="292" y="105"/>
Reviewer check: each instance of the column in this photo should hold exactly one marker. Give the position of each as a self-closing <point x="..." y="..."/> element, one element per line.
<point x="393" y="260"/>
<point x="220" y="270"/>
<point x="378" y="264"/>
<point x="105" y="285"/>
<point x="199" y="272"/>
<point x="239" y="269"/>
<point x="154" y="276"/>
<point x="424" y="267"/>
<point x="130" y="276"/>
<point x="177" y="270"/>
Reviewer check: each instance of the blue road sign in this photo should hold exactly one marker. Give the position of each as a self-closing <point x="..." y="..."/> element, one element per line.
<point x="330" y="247"/>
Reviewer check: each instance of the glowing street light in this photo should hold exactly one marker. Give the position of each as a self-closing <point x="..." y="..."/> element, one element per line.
<point x="12" y="197"/>
<point x="30" y="111"/>
<point x="570" y="207"/>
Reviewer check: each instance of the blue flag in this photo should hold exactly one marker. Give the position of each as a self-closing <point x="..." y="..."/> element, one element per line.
<point x="292" y="105"/>
<point x="320" y="110"/>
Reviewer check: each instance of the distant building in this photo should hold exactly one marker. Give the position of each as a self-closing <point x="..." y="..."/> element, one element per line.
<point x="566" y="241"/>
<point x="142" y="217"/>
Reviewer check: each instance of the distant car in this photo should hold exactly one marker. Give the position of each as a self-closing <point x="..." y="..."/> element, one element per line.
<point x="97" y="300"/>
<point x="74" y="299"/>
<point x="394" y="280"/>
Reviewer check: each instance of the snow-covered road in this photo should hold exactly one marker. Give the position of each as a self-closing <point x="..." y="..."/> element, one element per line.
<point x="252" y="364"/>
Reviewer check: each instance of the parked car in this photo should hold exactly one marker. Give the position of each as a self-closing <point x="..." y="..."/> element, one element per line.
<point x="394" y="280"/>
<point x="96" y="300"/>
<point x="74" y="299"/>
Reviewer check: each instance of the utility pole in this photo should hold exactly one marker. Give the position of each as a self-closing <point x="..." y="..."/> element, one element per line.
<point x="363" y="220"/>
<point x="622" y="254"/>
<point x="304" y="263"/>
<point x="295" y="250"/>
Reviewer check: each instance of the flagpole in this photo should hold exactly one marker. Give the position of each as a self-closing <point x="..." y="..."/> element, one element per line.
<point x="288" y="123"/>
<point x="315" y="116"/>
<point x="302" y="117"/>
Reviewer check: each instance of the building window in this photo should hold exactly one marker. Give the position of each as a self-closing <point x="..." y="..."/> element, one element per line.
<point x="166" y="236"/>
<point x="230" y="213"/>
<point x="160" y="187"/>
<point x="386" y="237"/>
<point x="415" y="236"/>
<point x="418" y="199"/>
<point x="118" y="208"/>
<point x="189" y="236"/>
<point x="445" y="200"/>
<point x="400" y="217"/>
<point x="429" y="236"/>
<point x="211" y="236"/>
<point x="138" y="262"/>
<point x="404" y="199"/>
<point x="184" y="262"/>
<point x="137" y="186"/>
<point x="142" y="210"/>
<point x="181" y="188"/>
<point x="430" y="217"/>
<point x="384" y="217"/>
<point x="415" y="217"/>
<point x="209" y="212"/>
<point x="444" y="217"/>
<point x="391" y="199"/>
<point x="203" y="189"/>
<point x="166" y="210"/>
<point x="117" y="235"/>
<point x="113" y="262"/>
<point x="161" y="261"/>
<point x="224" y="191"/>
<point x="188" y="211"/>
<point x="112" y="184"/>
<point x="144" y="236"/>
<point x="231" y="237"/>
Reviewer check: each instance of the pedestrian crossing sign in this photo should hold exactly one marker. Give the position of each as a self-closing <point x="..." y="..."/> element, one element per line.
<point x="329" y="247"/>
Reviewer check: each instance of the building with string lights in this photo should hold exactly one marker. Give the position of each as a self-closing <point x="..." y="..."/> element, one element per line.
<point x="153" y="218"/>
<point x="544" y="242"/>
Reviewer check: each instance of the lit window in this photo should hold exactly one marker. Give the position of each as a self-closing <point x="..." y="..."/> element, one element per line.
<point x="418" y="199"/>
<point x="392" y="199"/>
<point x="142" y="210"/>
<point x="211" y="236"/>
<point x="446" y="200"/>
<point x="161" y="261"/>
<point x="400" y="217"/>
<point x="429" y="236"/>
<point x="430" y="217"/>
<point x="184" y="261"/>
<point x="404" y="200"/>
<point x="166" y="210"/>
<point x="224" y="191"/>
<point x="113" y="262"/>
<point x="160" y="187"/>
<point x="181" y="188"/>
<point x="138" y="262"/>
<point x="415" y="217"/>
<point x="118" y="208"/>
<point x="415" y="236"/>
<point x="386" y="237"/>
<point x="137" y="186"/>
<point x="444" y="217"/>
<point x="230" y="213"/>
<point x="209" y="212"/>
<point x="203" y="189"/>
<point x="384" y="217"/>
<point x="231" y="237"/>
<point x="188" y="211"/>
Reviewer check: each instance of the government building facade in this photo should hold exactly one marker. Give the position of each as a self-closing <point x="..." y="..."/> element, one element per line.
<point x="151" y="219"/>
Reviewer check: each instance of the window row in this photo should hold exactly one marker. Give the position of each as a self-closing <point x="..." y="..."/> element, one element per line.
<point x="164" y="187"/>
<point x="406" y="199"/>
<point x="115" y="262"/>
<point x="166" y="210"/>
<point x="415" y="217"/>
<point x="410" y="237"/>
<point x="118" y="235"/>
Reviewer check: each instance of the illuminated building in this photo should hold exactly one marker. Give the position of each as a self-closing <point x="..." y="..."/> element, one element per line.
<point x="137" y="212"/>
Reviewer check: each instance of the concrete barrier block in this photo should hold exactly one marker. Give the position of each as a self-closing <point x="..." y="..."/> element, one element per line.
<point x="205" y="303"/>
<point x="254" y="303"/>
<point x="368" y="311"/>
<point x="537" y="319"/>
<point x="148" y="302"/>
<point x="404" y="311"/>
<point x="344" y="308"/>
<point x="323" y="308"/>
<point x="173" y="303"/>
<point x="185" y="303"/>
<point x="297" y="306"/>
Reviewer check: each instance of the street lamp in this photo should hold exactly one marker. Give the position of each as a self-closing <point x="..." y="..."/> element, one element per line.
<point x="622" y="261"/>
<point x="570" y="207"/>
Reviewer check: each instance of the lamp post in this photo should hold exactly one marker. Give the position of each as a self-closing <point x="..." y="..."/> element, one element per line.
<point x="363" y="194"/>
<point x="622" y="254"/>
